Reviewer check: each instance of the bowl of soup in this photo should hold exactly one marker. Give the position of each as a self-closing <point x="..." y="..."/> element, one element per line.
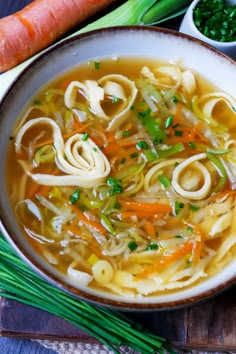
<point x="118" y="168"/>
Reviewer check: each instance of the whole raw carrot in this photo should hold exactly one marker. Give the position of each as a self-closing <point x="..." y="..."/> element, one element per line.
<point x="39" y="24"/>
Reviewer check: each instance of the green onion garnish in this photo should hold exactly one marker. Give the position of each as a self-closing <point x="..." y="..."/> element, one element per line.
<point x="123" y="160"/>
<point x="175" y="99"/>
<point x="115" y="99"/>
<point x="133" y="155"/>
<point x="116" y="188"/>
<point x="73" y="198"/>
<point x="97" y="65"/>
<point x="152" y="246"/>
<point x="178" y="132"/>
<point x="142" y="145"/>
<point x="165" y="181"/>
<point x="85" y="136"/>
<point x="194" y="207"/>
<point x="192" y="145"/>
<point x="126" y="133"/>
<point x="169" y="121"/>
<point x="132" y="245"/>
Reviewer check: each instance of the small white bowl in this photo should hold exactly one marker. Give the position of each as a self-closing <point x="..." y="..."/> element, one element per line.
<point x="188" y="27"/>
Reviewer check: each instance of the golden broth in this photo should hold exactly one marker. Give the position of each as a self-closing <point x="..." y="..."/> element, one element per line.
<point x="123" y="178"/>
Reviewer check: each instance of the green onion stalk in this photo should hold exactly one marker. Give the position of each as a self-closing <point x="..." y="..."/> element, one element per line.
<point x="18" y="282"/>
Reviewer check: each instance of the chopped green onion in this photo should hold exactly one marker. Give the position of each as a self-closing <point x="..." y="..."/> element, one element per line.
<point x="115" y="99"/>
<point x="144" y="114"/>
<point x="152" y="246"/>
<point x="97" y="65"/>
<point x="132" y="245"/>
<point x="133" y="155"/>
<point x="178" y="132"/>
<point x="194" y="207"/>
<point x="142" y="145"/>
<point x="175" y="99"/>
<point x="116" y="188"/>
<point x="73" y="198"/>
<point x="190" y="229"/>
<point x="126" y="133"/>
<point x="169" y="121"/>
<point x="177" y="207"/>
<point x="95" y="149"/>
<point x="132" y="107"/>
<point x="123" y="160"/>
<point x="192" y="145"/>
<point x="179" y="236"/>
<point x="165" y="181"/>
<point x="85" y="136"/>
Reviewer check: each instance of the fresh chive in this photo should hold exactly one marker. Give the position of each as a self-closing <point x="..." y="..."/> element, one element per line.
<point x="133" y="155"/>
<point x="95" y="149"/>
<point x="169" y="121"/>
<point x="190" y="229"/>
<point x="82" y="207"/>
<point x="177" y="207"/>
<point x="115" y="99"/>
<point x="176" y="125"/>
<point x="18" y="282"/>
<point x="97" y="65"/>
<point x="152" y="246"/>
<point x="194" y="207"/>
<point x="115" y="185"/>
<point x="218" y="152"/>
<point x="179" y="236"/>
<point x="175" y="99"/>
<point x="73" y="198"/>
<point x="132" y="245"/>
<point x="192" y="145"/>
<point x="144" y="114"/>
<point x="85" y="136"/>
<point x="165" y="181"/>
<point x="141" y="145"/>
<point x="123" y="160"/>
<point x="126" y="133"/>
<point x="178" y="132"/>
<point x="132" y="108"/>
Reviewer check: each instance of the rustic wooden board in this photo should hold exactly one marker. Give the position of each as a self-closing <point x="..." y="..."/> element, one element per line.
<point x="210" y="325"/>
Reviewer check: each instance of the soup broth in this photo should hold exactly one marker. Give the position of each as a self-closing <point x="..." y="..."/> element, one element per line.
<point x="124" y="176"/>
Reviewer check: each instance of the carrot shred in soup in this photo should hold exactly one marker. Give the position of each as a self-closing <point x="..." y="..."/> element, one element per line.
<point x="125" y="176"/>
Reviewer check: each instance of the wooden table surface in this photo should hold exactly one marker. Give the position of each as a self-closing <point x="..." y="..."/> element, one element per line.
<point x="26" y="346"/>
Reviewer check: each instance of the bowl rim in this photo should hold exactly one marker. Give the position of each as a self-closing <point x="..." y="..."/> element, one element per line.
<point x="80" y="294"/>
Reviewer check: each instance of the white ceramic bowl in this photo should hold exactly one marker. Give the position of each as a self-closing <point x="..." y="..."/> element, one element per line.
<point x="147" y="42"/>
<point x="188" y="27"/>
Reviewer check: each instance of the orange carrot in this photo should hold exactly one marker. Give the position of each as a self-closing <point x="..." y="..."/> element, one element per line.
<point x="199" y="242"/>
<point x="146" y="207"/>
<point x="139" y="214"/>
<point x="166" y="260"/>
<point x="39" y="24"/>
<point x="82" y="217"/>
<point x="148" y="226"/>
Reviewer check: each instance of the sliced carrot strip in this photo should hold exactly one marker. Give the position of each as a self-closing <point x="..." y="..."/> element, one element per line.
<point x="166" y="260"/>
<point x="147" y="207"/>
<point x="82" y="217"/>
<point x="148" y="226"/>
